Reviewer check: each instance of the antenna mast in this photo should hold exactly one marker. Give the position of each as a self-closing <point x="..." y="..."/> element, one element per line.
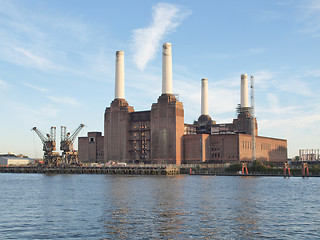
<point x="253" y="122"/>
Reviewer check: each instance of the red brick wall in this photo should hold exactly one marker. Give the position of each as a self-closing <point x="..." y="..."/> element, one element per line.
<point x="196" y="148"/>
<point x="116" y="131"/>
<point x="267" y="149"/>
<point x="167" y="128"/>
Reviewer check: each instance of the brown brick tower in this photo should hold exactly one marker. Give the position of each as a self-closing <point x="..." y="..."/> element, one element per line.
<point x="167" y="129"/>
<point x="167" y="118"/>
<point x="116" y="119"/>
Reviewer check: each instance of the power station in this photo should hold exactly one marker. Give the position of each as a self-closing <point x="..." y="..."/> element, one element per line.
<point x="160" y="135"/>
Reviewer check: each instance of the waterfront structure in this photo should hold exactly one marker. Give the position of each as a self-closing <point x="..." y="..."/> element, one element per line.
<point x="91" y="147"/>
<point x="309" y="154"/>
<point x="69" y="154"/>
<point x="11" y="159"/>
<point x="160" y="136"/>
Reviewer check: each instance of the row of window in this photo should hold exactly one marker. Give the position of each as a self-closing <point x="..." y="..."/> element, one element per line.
<point x="246" y="144"/>
<point x="264" y="146"/>
<point x="215" y="155"/>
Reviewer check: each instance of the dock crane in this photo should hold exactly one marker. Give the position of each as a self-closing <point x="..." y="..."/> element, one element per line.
<point x="69" y="155"/>
<point x="49" y="146"/>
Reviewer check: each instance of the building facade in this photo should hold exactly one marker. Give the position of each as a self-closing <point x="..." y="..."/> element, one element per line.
<point x="91" y="148"/>
<point x="160" y="136"/>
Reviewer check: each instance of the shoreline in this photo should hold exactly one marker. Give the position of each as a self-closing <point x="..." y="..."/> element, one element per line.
<point x="156" y="170"/>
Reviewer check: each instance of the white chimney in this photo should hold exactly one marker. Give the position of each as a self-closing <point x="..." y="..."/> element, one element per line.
<point x="119" y="83"/>
<point x="204" y="97"/>
<point x="244" y="91"/>
<point x="166" y="69"/>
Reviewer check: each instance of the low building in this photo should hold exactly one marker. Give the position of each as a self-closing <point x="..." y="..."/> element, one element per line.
<point x="13" y="160"/>
<point x="91" y="148"/>
<point x="232" y="148"/>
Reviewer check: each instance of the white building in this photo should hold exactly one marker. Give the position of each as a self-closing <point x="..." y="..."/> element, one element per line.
<point x="10" y="159"/>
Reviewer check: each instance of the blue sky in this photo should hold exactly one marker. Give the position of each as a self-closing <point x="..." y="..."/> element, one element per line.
<point x="57" y="63"/>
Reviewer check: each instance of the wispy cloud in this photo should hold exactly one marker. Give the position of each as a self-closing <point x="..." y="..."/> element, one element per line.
<point x="48" y="111"/>
<point x="248" y="52"/>
<point x="254" y="51"/>
<point x="74" y="28"/>
<point x="296" y="86"/>
<point x="64" y="100"/>
<point x="311" y="17"/>
<point x="296" y="122"/>
<point x="166" y="18"/>
<point x="314" y="73"/>
<point x="31" y="59"/>
<point x="269" y="16"/>
<point x="285" y="3"/>
<point x="40" y="89"/>
<point x="3" y="84"/>
<point x="264" y="79"/>
<point x="275" y="106"/>
<point x="41" y="41"/>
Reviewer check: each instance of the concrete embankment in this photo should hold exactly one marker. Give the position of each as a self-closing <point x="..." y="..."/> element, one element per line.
<point x="214" y="172"/>
<point x="144" y="170"/>
<point x="94" y="170"/>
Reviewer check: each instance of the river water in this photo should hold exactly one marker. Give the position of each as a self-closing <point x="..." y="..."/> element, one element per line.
<point x="38" y="206"/>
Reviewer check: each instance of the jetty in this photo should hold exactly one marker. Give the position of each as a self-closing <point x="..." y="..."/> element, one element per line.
<point x="129" y="170"/>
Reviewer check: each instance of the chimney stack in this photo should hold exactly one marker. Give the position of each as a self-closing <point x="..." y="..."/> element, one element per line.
<point x="119" y="81"/>
<point x="166" y="69"/>
<point x="244" y="91"/>
<point x="204" y="97"/>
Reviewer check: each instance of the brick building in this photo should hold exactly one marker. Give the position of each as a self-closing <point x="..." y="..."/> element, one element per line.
<point x="160" y="135"/>
<point x="91" y="148"/>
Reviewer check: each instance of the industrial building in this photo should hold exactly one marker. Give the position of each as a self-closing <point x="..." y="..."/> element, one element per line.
<point x="11" y="159"/>
<point x="160" y="135"/>
<point x="309" y="154"/>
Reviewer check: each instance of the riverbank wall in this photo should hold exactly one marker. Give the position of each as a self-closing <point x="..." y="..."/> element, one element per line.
<point x="146" y="170"/>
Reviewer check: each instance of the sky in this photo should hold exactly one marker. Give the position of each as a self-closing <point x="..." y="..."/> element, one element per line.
<point x="57" y="63"/>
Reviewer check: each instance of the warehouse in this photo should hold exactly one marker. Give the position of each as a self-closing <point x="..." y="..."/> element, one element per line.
<point x="11" y="159"/>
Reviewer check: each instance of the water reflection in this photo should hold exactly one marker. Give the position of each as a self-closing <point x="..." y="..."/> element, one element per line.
<point x="246" y="208"/>
<point x="158" y="207"/>
<point x="135" y="204"/>
<point x="181" y="207"/>
<point x="169" y="216"/>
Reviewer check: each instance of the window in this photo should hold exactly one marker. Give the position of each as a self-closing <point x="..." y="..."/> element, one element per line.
<point x="91" y="140"/>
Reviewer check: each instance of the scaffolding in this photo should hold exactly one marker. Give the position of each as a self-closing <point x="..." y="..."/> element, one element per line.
<point x="140" y="141"/>
<point x="253" y="134"/>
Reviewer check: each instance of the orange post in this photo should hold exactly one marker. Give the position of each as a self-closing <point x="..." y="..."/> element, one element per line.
<point x="304" y="168"/>
<point x="286" y="167"/>
<point x="244" y="168"/>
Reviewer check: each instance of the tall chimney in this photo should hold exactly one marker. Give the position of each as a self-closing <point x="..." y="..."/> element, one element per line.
<point x="204" y="97"/>
<point x="119" y="84"/>
<point x="244" y="91"/>
<point x="166" y="69"/>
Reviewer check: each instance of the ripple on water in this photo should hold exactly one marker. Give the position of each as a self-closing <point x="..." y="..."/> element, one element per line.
<point x="35" y="206"/>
